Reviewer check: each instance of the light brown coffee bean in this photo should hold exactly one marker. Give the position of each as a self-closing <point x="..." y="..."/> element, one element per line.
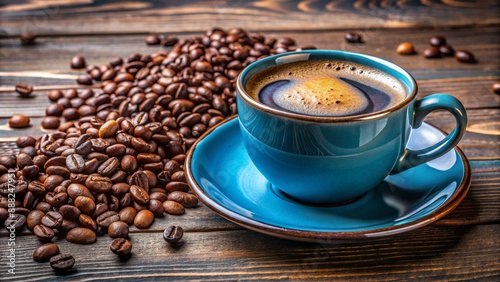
<point x="80" y="235"/>
<point x="44" y="252"/>
<point x="144" y="219"/>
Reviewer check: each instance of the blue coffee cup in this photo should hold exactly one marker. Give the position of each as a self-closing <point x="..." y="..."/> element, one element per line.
<point x="329" y="160"/>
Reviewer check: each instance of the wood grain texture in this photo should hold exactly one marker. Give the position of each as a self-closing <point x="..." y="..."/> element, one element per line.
<point x="143" y="16"/>
<point x="431" y="253"/>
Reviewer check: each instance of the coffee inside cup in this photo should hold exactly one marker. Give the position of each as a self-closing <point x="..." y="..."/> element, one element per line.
<point x="325" y="88"/>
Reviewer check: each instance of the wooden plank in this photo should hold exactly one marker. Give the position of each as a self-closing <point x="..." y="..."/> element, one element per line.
<point x="430" y="253"/>
<point x="141" y="16"/>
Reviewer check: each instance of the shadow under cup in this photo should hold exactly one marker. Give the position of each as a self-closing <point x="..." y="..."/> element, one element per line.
<point x="325" y="160"/>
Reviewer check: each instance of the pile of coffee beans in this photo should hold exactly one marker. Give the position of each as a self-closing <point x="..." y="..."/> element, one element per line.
<point x="117" y="155"/>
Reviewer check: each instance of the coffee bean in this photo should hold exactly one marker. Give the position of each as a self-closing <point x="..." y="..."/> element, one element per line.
<point x="437" y="41"/>
<point x="78" y="62"/>
<point x="121" y="247"/>
<point x="56" y="199"/>
<point x="85" y="204"/>
<point x="353" y="37"/>
<point x="129" y="163"/>
<point x="99" y="184"/>
<point x="44" y="252"/>
<point x="172" y="207"/>
<point x="140" y="179"/>
<point x="43" y="233"/>
<point x="173" y="234"/>
<point x="108" y="129"/>
<point x="69" y="212"/>
<point x="83" y="146"/>
<point x="52" y="219"/>
<point x="84" y="79"/>
<point x="127" y="215"/>
<point x="496" y="87"/>
<point x="67" y="225"/>
<point x="26" y="141"/>
<point x="34" y="218"/>
<point x="19" y="121"/>
<point x="24" y="90"/>
<point x="15" y="222"/>
<point x="139" y="195"/>
<point x="447" y="50"/>
<point x="465" y="56"/>
<point x="80" y="235"/>
<point x="118" y="229"/>
<point x="50" y="122"/>
<point x="87" y="222"/>
<point x="75" y="190"/>
<point x="155" y="207"/>
<point x="144" y="219"/>
<point x="153" y="39"/>
<point x="405" y="48"/>
<point x="75" y="163"/>
<point x="432" y="53"/>
<point x="105" y="219"/>
<point x="108" y="167"/>
<point x="183" y="198"/>
<point x="62" y="262"/>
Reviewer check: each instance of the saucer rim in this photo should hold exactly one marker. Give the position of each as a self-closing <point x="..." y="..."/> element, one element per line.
<point x="328" y="236"/>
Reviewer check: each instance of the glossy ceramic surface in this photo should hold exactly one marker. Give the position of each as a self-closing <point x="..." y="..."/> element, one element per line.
<point x="226" y="180"/>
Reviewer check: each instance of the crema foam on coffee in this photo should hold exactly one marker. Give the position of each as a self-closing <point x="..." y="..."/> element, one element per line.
<point x="325" y="88"/>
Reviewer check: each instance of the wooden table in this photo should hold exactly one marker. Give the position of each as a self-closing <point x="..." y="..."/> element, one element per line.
<point x="465" y="245"/>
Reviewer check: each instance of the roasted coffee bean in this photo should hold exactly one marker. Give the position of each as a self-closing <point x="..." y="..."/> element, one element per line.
<point x="15" y="222"/>
<point x="447" y="50"/>
<point x="84" y="79"/>
<point x="352" y="37"/>
<point x="140" y="179"/>
<point x="8" y="161"/>
<point x="100" y="208"/>
<point x="34" y="218"/>
<point x="85" y="204"/>
<point x="100" y="145"/>
<point x="118" y="229"/>
<point x="108" y="167"/>
<point x="26" y="141"/>
<point x="405" y="48"/>
<point x="156" y="208"/>
<point x="69" y="212"/>
<point x="78" y="62"/>
<point x="108" y="129"/>
<point x="121" y="247"/>
<point x="75" y="190"/>
<point x="496" y="87"/>
<point x="62" y="262"/>
<point x="24" y="90"/>
<point x="169" y="41"/>
<point x="127" y="215"/>
<point x="177" y="186"/>
<point x="144" y="219"/>
<point x="44" y="252"/>
<point x="23" y="160"/>
<point x="432" y="53"/>
<point x="98" y="184"/>
<point x="173" y="234"/>
<point x="91" y="166"/>
<point x="75" y="163"/>
<point x="52" y="219"/>
<point x="80" y="235"/>
<point x="67" y="225"/>
<point x="50" y="122"/>
<point x="37" y="188"/>
<point x="172" y="207"/>
<point x="19" y="121"/>
<point x="129" y="163"/>
<point x="116" y="150"/>
<point x="105" y="219"/>
<point x="437" y="41"/>
<point x="87" y="222"/>
<point x="56" y="199"/>
<point x="44" y="207"/>
<point x="43" y="233"/>
<point x="83" y="145"/>
<point x="139" y="195"/>
<point x="465" y="56"/>
<point x="153" y="39"/>
<point x="183" y="198"/>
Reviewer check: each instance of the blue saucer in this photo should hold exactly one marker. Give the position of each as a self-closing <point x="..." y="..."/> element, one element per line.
<point x="223" y="177"/>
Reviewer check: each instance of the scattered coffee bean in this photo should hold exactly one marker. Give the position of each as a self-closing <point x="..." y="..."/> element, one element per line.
<point x="432" y="53"/>
<point x="172" y="207"/>
<point x="121" y="247"/>
<point x="78" y="62"/>
<point x="353" y="37"/>
<point x="44" y="252"/>
<point x="447" y="50"/>
<point x="153" y="39"/>
<point x="80" y="235"/>
<point x="62" y="262"/>
<point x="437" y="41"/>
<point x="406" y="48"/>
<point x="19" y="121"/>
<point x="144" y="219"/>
<point x="496" y="87"/>
<point x="173" y="234"/>
<point x="24" y="90"/>
<point x="51" y="122"/>
<point x="118" y="229"/>
<point x="465" y="56"/>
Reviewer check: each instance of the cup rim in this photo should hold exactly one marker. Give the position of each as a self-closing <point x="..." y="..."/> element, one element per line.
<point x="241" y="92"/>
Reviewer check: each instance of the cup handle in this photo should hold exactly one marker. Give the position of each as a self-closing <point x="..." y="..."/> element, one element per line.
<point x="423" y="107"/>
